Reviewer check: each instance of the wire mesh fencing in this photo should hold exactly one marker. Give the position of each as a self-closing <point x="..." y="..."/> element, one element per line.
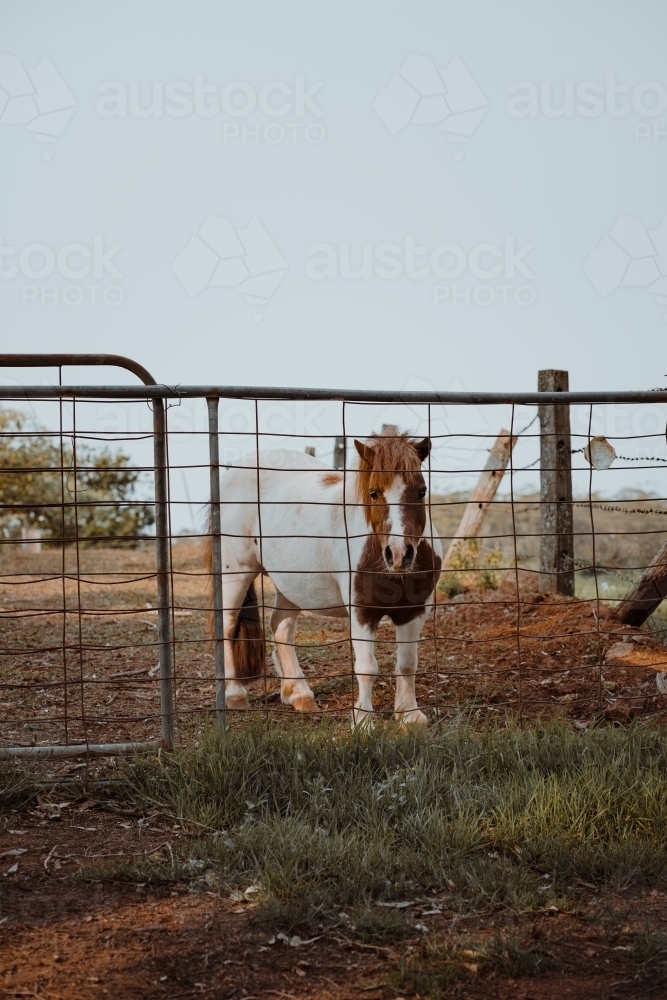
<point x="156" y="540"/>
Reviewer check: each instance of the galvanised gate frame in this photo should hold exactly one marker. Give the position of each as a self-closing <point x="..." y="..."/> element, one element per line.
<point x="157" y="394"/>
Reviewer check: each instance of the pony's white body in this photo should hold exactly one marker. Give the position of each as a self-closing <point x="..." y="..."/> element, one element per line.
<point x="290" y="521"/>
<point x="302" y="542"/>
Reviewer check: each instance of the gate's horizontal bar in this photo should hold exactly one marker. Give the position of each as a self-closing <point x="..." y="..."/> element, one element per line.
<point x="337" y="395"/>
<point x="80" y="750"/>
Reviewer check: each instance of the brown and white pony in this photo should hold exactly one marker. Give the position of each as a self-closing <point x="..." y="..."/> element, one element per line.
<point x="358" y="545"/>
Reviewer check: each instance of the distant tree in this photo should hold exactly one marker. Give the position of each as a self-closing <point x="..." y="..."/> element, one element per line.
<point x="32" y="486"/>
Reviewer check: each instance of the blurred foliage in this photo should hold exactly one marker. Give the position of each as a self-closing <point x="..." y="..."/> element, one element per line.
<point x="472" y="567"/>
<point x="37" y="474"/>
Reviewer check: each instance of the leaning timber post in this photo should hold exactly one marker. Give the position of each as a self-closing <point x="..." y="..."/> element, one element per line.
<point x="647" y="594"/>
<point x="556" y="533"/>
<point x="471" y="523"/>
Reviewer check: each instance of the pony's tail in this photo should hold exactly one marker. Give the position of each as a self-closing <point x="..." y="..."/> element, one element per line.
<point x="248" y="641"/>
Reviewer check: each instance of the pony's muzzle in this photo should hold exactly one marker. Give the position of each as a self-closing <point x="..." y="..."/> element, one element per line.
<point x="399" y="557"/>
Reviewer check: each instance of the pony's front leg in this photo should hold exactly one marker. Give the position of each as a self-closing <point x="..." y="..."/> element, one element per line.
<point x="365" y="668"/>
<point x="407" y="645"/>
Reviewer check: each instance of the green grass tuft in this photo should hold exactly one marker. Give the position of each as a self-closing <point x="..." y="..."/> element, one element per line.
<point x="323" y="819"/>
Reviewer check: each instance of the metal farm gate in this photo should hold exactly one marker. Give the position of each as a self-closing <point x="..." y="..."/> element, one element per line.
<point x="104" y="599"/>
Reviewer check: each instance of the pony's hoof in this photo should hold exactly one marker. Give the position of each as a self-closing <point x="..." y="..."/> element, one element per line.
<point x="415" y="718"/>
<point x="234" y="701"/>
<point x="304" y="703"/>
<point x="362" y="719"/>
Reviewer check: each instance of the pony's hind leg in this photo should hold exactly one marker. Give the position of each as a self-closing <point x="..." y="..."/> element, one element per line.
<point x="235" y="590"/>
<point x="407" y="645"/>
<point x="294" y="689"/>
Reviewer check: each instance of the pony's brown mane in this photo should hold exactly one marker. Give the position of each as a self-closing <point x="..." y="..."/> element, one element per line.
<point x="389" y="455"/>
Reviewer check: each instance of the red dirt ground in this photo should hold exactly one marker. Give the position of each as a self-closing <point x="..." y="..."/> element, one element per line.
<point x="65" y="939"/>
<point x="61" y="937"/>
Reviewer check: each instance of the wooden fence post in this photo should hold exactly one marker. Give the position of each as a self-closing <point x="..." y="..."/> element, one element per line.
<point x="557" y="539"/>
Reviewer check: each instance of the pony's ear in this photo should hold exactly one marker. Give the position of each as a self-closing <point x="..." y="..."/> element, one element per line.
<point x="365" y="452"/>
<point x="423" y="448"/>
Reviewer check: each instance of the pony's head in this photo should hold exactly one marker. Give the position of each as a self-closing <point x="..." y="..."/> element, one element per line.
<point x="392" y="490"/>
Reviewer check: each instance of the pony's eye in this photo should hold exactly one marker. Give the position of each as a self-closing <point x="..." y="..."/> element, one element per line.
<point x="422" y="493"/>
<point x="373" y="494"/>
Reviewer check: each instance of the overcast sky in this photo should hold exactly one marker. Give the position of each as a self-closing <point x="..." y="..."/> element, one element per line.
<point x="365" y="195"/>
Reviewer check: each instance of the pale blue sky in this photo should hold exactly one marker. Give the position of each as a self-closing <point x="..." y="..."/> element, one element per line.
<point x="149" y="184"/>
